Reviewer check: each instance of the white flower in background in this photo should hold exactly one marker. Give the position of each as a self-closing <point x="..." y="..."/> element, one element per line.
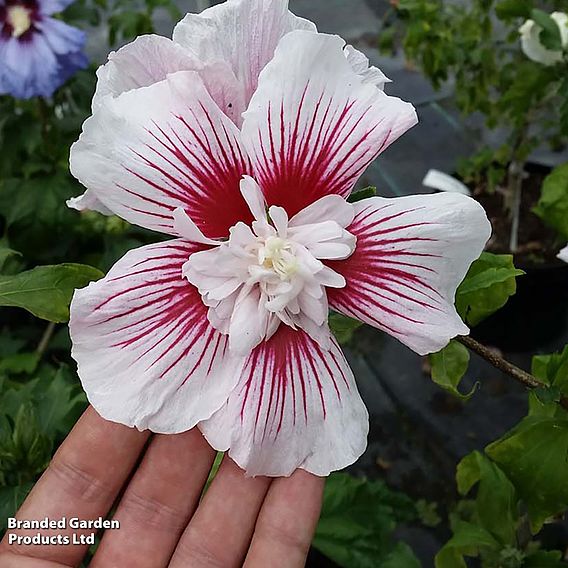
<point x="563" y="254"/>
<point x="242" y="138"/>
<point x="532" y="46"/>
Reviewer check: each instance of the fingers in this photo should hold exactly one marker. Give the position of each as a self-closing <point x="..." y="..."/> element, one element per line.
<point x="220" y="532"/>
<point x="287" y="522"/>
<point x="158" y="503"/>
<point x="83" y="479"/>
<point x="8" y="560"/>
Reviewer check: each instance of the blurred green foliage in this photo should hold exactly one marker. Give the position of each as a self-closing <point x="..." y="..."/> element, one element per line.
<point x="553" y="204"/>
<point x="357" y="522"/>
<point x="520" y="483"/>
<point x="476" y="47"/>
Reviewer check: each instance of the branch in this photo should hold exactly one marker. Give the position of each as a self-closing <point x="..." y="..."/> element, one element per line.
<point x="45" y="339"/>
<point x="506" y="367"/>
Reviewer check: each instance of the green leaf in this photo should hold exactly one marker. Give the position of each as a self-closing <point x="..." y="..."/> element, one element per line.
<point x="507" y="9"/>
<point x="343" y="327"/>
<point x="401" y="556"/>
<point x="563" y="106"/>
<point x="58" y="403"/>
<point x="56" y="396"/>
<point x="547" y="395"/>
<point x="488" y="285"/>
<point x="539" y="407"/>
<point x="550" y="36"/>
<point x="449" y="366"/>
<point x="545" y="559"/>
<point x="496" y="502"/>
<point x="10" y="500"/>
<point x="552" y="207"/>
<point x="46" y="291"/>
<point x="428" y="513"/>
<point x="25" y="450"/>
<point x="213" y="472"/>
<point x="356" y="524"/>
<point x="364" y="193"/>
<point x="534" y="456"/>
<point x="387" y="40"/>
<point x="552" y="370"/>
<point x="468" y="540"/>
<point x="5" y="254"/>
<point x="19" y="363"/>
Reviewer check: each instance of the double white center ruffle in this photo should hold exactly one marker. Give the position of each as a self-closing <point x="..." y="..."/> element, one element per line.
<point x="272" y="272"/>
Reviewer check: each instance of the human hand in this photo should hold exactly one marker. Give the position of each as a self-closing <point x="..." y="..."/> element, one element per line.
<point x="252" y="522"/>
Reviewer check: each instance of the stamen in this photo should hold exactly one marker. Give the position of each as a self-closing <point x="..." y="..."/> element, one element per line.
<point x="277" y="255"/>
<point x="19" y="19"/>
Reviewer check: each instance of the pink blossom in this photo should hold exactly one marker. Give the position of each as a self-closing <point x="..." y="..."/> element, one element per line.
<point x="242" y="138"/>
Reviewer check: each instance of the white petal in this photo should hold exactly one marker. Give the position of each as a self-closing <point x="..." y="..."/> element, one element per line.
<point x="279" y="219"/>
<point x="247" y="327"/>
<point x="328" y="208"/>
<point x="296" y="406"/>
<point x="561" y="20"/>
<point x="411" y="255"/>
<point x="253" y="196"/>
<point x="563" y="254"/>
<point x="147" y="60"/>
<point x="187" y="229"/>
<point x="151" y="150"/>
<point x="331" y="251"/>
<point x="150" y="59"/>
<point x="146" y="354"/>
<point x="330" y="278"/>
<point x="88" y="202"/>
<point x="312" y="127"/>
<point x="242" y="33"/>
<point x="533" y="48"/>
<point x="360" y="64"/>
<point x="325" y="240"/>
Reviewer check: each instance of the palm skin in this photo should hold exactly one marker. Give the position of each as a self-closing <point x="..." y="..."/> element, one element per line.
<point x="157" y="484"/>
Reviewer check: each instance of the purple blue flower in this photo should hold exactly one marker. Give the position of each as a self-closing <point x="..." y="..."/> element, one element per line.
<point x="38" y="53"/>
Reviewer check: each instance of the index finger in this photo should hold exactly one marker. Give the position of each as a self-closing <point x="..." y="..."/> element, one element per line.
<point x="82" y="481"/>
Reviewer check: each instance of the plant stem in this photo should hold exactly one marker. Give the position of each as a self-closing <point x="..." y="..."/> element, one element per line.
<point x="45" y="338"/>
<point x="43" y="111"/>
<point x="506" y="367"/>
<point x="515" y="183"/>
<point x="515" y="177"/>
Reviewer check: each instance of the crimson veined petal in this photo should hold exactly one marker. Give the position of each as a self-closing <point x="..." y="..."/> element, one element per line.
<point x="146" y="353"/>
<point x="151" y="150"/>
<point x="411" y="255"/>
<point x="314" y="125"/>
<point x="296" y="406"/>
<point x="242" y="33"/>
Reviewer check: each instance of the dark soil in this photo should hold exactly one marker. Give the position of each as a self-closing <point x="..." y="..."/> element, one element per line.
<point x="538" y="244"/>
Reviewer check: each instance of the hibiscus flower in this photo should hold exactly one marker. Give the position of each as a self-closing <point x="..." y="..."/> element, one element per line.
<point x="242" y="138"/>
<point x="38" y="53"/>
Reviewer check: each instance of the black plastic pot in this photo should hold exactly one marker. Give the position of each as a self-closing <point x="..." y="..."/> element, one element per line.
<point x="535" y="318"/>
